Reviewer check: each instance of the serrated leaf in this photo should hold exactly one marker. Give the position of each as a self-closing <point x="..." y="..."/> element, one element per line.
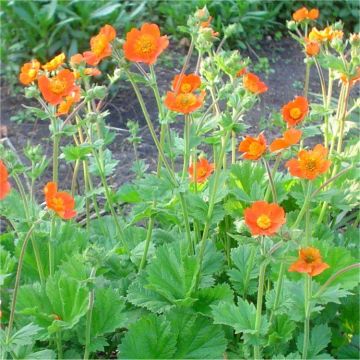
<point x="281" y="331"/>
<point x="240" y="317"/>
<point x="197" y="337"/>
<point x="212" y="296"/>
<point x="25" y="336"/>
<point x="108" y="312"/>
<point x="68" y="298"/>
<point x="244" y="274"/>
<point x="149" y="338"/>
<point x="319" y="339"/>
<point x="139" y="295"/>
<point x="172" y="272"/>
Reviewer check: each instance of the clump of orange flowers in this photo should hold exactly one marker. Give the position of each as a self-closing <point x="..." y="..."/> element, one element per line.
<point x="145" y="45"/>
<point x="5" y="186"/>
<point x="55" y="88"/>
<point x="203" y="170"/>
<point x="29" y="72"/>
<point x="309" y="262"/>
<point x="295" y="111"/>
<point x="310" y="163"/>
<point x="303" y="14"/>
<point x="54" y="63"/>
<point x="184" y="98"/>
<point x="59" y="201"/>
<point x="290" y="137"/>
<point x="327" y="34"/>
<point x="312" y="48"/>
<point x="100" y="45"/>
<point x="263" y="218"/>
<point x="253" y="84"/>
<point x="253" y="147"/>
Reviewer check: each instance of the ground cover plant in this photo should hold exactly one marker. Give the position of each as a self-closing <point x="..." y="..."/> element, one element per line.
<point x="236" y="246"/>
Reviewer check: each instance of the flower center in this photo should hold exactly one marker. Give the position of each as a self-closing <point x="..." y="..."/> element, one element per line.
<point x="201" y="171"/>
<point x="186" y="99"/>
<point x="309" y="259"/>
<point x="295" y="113"/>
<point x="57" y="203"/>
<point x="310" y="164"/>
<point x="254" y="148"/>
<point x="263" y="222"/>
<point x="32" y="73"/>
<point x="99" y="45"/>
<point x="185" y="88"/>
<point x="57" y="86"/>
<point x="145" y="45"/>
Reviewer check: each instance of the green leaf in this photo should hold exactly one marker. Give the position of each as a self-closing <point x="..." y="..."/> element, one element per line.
<point x="332" y="294"/>
<point x="68" y="298"/>
<point x="108" y="314"/>
<point x="73" y="152"/>
<point x="212" y="296"/>
<point x="139" y="295"/>
<point x="240" y="317"/>
<point x="319" y="339"/>
<point x="149" y="338"/>
<point x="172" y="271"/>
<point x="25" y="336"/>
<point x="197" y="337"/>
<point x="105" y="10"/>
<point x="281" y="331"/>
<point x="244" y="274"/>
<point x="127" y="193"/>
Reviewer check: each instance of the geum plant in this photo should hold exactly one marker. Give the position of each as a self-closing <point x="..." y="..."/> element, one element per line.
<point x="228" y="248"/>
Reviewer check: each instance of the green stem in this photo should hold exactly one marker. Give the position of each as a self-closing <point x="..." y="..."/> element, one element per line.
<point x="187" y="147"/>
<point x="74" y="177"/>
<point x="17" y="279"/>
<point x="147" y="242"/>
<point x="89" y="318"/>
<point x="187" y="224"/>
<point x="59" y="344"/>
<point x="304" y="207"/>
<point x="248" y="270"/>
<point x="307" y="78"/>
<point x="151" y="128"/>
<point x="233" y="147"/>
<point x="56" y="157"/>
<point x="51" y="248"/>
<point x="307" y="297"/>
<point x="211" y="207"/>
<point x="273" y="172"/>
<point x="271" y="180"/>
<point x="279" y="284"/>
<point x="259" y="303"/>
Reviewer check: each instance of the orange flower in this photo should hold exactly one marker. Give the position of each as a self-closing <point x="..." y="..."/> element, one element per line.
<point x="65" y="106"/>
<point x="253" y="84"/>
<point x="5" y="186"/>
<point x="309" y="164"/>
<point x="55" y="88"/>
<point x="241" y="72"/>
<point x="351" y="79"/>
<point x="206" y="23"/>
<point x="184" y="103"/>
<point x="183" y="99"/>
<point x="76" y="59"/>
<point x="29" y="72"/>
<point x="263" y="218"/>
<point x="61" y="202"/>
<point x="100" y="45"/>
<point x="92" y="72"/>
<point x="304" y="14"/>
<point x="312" y="48"/>
<point x="186" y="83"/>
<point x="203" y="170"/>
<point x="309" y="262"/>
<point x="295" y="111"/>
<point x="327" y="34"/>
<point x="54" y="63"/>
<point x="145" y="45"/>
<point x="253" y="148"/>
<point x="291" y="137"/>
